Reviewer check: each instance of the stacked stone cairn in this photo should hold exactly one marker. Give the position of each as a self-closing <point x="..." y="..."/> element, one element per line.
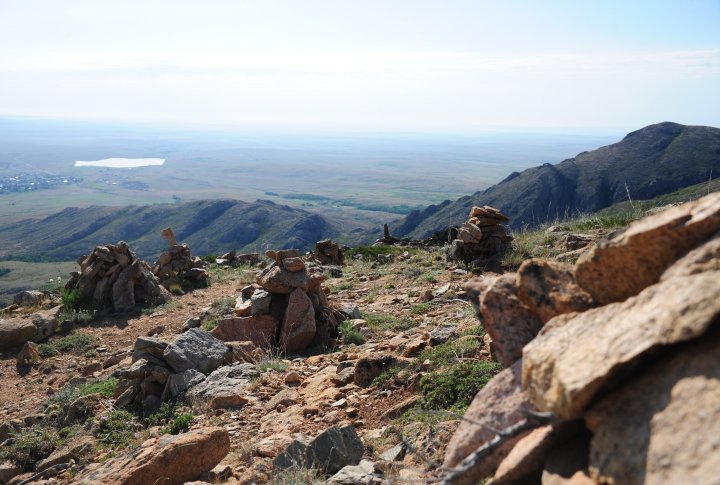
<point x="113" y="279"/>
<point x="177" y="266"/>
<point x="233" y="259"/>
<point x="286" y="308"/>
<point x="482" y="239"/>
<point x="328" y="252"/>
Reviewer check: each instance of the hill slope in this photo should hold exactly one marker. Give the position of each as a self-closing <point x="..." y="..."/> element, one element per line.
<point x="207" y="226"/>
<point x="652" y="161"/>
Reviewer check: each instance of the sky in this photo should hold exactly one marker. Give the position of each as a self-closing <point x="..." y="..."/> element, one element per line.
<point x="446" y="66"/>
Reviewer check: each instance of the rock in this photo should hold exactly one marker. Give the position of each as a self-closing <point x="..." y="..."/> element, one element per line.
<point x="576" y="356"/>
<point x="442" y="333"/>
<point x="259" y="303"/>
<point x="567" y="462"/>
<point x="178" y="383"/>
<point x="15" y="332"/>
<point x="243" y="307"/>
<point x="663" y="426"/>
<point x="284" y="397"/>
<point x="29" y="354"/>
<point x="171" y="459"/>
<point x="615" y="270"/>
<point x="298" y="327"/>
<point x="368" y="368"/>
<point x="352" y="312"/>
<point x="703" y="258"/>
<point x="260" y="329"/>
<point x="509" y="323"/>
<point x="396" y="453"/>
<point x="499" y="405"/>
<point x="271" y="446"/>
<point x="332" y="450"/>
<point x="195" y="349"/>
<point x="490" y="213"/>
<point x="293" y="379"/>
<point x="328" y="252"/>
<point x="225" y="387"/>
<point x="45" y="321"/>
<point x="73" y="450"/>
<point x="8" y="471"/>
<point x="279" y="255"/>
<point x="293" y="264"/>
<point x="150" y="345"/>
<point x="399" y="409"/>
<point x="28" y="298"/>
<point x="244" y="351"/>
<point x="192" y="322"/>
<point x="548" y="288"/>
<point x="363" y="473"/>
<point x="281" y="281"/>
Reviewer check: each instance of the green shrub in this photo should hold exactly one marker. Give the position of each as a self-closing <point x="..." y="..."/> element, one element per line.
<point x="71" y="299"/>
<point x="209" y="325"/>
<point x="350" y="335"/>
<point x="369" y="253"/>
<point x="420" y="308"/>
<point x="455" y="388"/>
<point x="117" y="429"/>
<point x="224" y="306"/>
<point x="106" y="387"/>
<point x="81" y="317"/>
<point x="384" y="321"/>
<point x="76" y="343"/>
<point x="272" y="363"/>
<point x="179" y="424"/>
<point x="30" y="445"/>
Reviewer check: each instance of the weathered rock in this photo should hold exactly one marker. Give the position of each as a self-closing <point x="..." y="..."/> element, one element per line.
<point x="192" y="322"/>
<point x="260" y="329"/>
<point x="363" y="473"/>
<point x="298" y="327"/>
<point x="225" y="387"/>
<point x="499" y="405"/>
<point x="279" y="255"/>
<point x="368" y="368"/>
<point x="570" y="362"/>
<point x="705" y="257"/>
<point x="293" y="264"/>
<point x="243" y="307"/>
<point x="195" y="349"/>
<point x="614" y="270"/>
<point x="548" y="289"/>
<point x="279" y="280"/>
<point x="15" y="332"/>
<point x="567" y="463"/>
<point x="509" y="323"/>
<point x="395" y="453"/>
<point x="244" y="351"/>
<point x="8" y="470"/>
<point x="328" y="252"/>
<point x="663" y="426"/>
<point x="284" y="397"/>
<point x="178" y="383"/>
<point x="332" y="450"/>
<point x="273" y="445"/>
<point x="259" y="303"/>
<point x="171" y="460"/>
<point x="443" y="333"/>
<point x="29" y="354"/>
<point x="28" y="298"/>
<point x="73" y="450"/>
<point x="46" y="321"/>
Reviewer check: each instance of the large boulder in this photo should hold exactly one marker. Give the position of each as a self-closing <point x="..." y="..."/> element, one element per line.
<point x="28" y="298"/>
<point x="260" y="329"/>
<point x="15" y="332"/>
<point x="662" y="427"/>
<point x="548" y="289"/>
<point x="614" y="270"/>
<point x="298" y="327"/>
<point x="509" y="323"/>
<point x="277" y="279"/>
<point x="195" y="349"/>
<point x="705" y="257"/>
<point x="170" y="460"/>
<point x="499" y="405"/>
<point x="332" y="450"/>
<point x="577" y="356"/>
<point x="225" y="387"/>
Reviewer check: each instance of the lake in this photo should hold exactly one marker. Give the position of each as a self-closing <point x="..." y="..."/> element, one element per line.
<point x="122" y="162"/>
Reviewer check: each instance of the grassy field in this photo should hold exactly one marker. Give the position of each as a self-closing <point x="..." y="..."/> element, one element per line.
<point x="23" y="276"/>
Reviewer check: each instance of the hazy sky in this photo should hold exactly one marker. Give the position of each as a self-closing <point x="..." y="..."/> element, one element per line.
<point x="385" y="65"/>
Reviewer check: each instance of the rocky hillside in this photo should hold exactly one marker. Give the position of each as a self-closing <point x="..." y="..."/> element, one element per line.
<point x="209" y="227"/>
<point x="300" y="371"/>
<point x="652" y="161"/>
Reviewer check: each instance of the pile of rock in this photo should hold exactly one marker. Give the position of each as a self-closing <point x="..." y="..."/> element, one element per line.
<point x="287" y="308"/>
<point x="191" y="364"/>
<point x="328" y="252"/>
<point x="112" y="278"/>
<point x="233" y="259"/>
<point x="177" y="266"/>
<point x="620" y="351"/>
<point x="482" y="239"/>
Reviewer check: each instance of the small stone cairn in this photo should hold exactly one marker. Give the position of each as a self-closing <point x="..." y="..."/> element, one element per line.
<point x="177" y="266"/>
<point x="233" y="259"/>
<point x="482" y="239"/>
<point x="286" y="308"/>
<point x="329" y="252"/>
<point x="113" y="279"/>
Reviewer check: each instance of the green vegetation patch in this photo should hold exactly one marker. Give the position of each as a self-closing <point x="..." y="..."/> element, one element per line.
<point x="117" y="428"/>
<point x="75" y="343"/>
<point x="350" y="335"/>
<point x="31" y="445"/>
<point x="370" y="253"/>
<point x="379" y="322"/>
<point x="455" y="387"/>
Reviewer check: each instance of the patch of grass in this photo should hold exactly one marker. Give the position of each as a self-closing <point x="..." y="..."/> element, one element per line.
<point x="176" y="289"/>
<point x="297" y="476"/>
<point x="345" y="285"/>
<point x="106" y="387"/>
<point x="370" y="253"/>
<point x="166" y="307"/>
<point x="209" y="325"/>
<point x="379" y="322"/>
<point x="179" y="424"/>
<point x="449" y="353"/>
<point x="117" y="428"/>
<point x="272" y="363"/>
<point x="412" y="272"/>
<point x="350" y="335"/>
<point x="224" y="305"/>
<point x="68" y="394"/>
<point x="429" y="277"/>
<point x="31" y="445"/>
<point x="81" y="317"/>
<point x="243" y="274"/>
<point x="71" y="298"/>
<point x="76" y="343"/>
<point x="392" y="375"/>
<point x="455" y="388"/>
<point x="420" y="308"/>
